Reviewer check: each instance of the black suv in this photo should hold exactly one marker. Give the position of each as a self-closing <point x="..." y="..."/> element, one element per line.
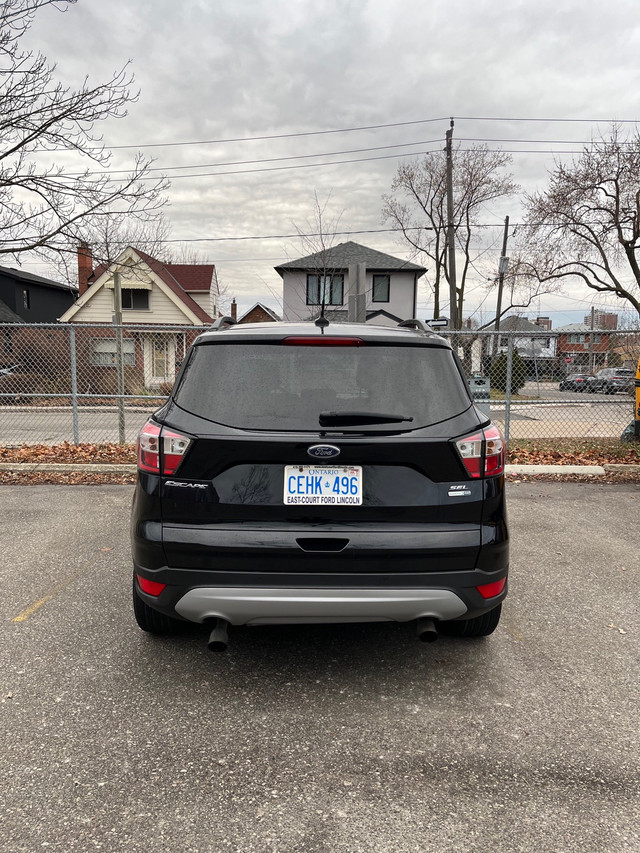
<point x="320" y="473"/>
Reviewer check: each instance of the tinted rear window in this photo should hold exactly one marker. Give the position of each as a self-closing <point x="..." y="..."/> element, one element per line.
<point x="276" y="387"/>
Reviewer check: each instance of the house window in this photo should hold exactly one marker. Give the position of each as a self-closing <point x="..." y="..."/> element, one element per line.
<point x="134" y="300"/>
<point x="576" y="339"/>
<point x="380" y="288"/>
<point x="103" y="352"/>
<point x="331" y="286"/>
<point x="26" y="298"/>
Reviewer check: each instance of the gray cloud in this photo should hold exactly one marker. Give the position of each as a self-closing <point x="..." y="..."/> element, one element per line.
<point x="228" y="69"/>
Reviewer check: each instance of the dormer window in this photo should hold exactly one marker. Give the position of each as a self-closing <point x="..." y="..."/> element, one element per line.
<point x="134" y="300"/>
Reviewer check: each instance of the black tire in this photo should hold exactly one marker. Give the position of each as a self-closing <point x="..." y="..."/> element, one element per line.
<point x="151" y="620"/>
<point x="480" y="626"/>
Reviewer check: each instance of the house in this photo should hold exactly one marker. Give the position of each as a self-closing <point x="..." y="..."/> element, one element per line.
<point x="259" y="313"/>
<point x="583" y="347"/>
<point x="153" y="294"/>
<point x="535" y="344"/>
<point x="334" y="276"/>
<point x="29" y="298"/>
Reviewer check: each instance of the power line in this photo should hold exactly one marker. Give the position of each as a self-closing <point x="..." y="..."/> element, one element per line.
<point x="261" y="160"/>
<point x="374" y="127"/>
<point x="276" y="136"/>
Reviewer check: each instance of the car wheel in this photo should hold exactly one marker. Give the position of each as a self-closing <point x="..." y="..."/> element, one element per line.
<point x="479" y="626"/>
<point x="151" y="620"/>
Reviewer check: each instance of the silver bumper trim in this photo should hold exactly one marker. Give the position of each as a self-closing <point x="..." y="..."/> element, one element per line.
<point x="282" y="606"/>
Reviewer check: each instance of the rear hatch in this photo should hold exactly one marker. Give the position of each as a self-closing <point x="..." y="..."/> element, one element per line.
<point x="339" y="448"/>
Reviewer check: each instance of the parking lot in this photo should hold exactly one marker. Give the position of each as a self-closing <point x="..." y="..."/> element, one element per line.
<point x="320" y="738"/>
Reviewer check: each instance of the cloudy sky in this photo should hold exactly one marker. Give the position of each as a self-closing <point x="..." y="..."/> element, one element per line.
<point x="216" y="70"/>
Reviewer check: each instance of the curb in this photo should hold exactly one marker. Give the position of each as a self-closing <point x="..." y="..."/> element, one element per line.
<point x="585" y="470"/>
<point x="127" y="468"/>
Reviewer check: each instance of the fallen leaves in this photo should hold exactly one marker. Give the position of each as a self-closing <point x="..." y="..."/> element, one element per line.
<point x="70" y="453"/>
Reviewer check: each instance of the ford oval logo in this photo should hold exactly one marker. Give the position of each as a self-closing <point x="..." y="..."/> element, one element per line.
<point x="323" y="451"/>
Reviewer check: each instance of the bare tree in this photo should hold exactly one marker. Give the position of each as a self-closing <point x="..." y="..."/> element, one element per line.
<point x="417" y="206"/>
<point x="586" y="223"/>
<point x="318" y="236"/>
<point x="54" y="190"/>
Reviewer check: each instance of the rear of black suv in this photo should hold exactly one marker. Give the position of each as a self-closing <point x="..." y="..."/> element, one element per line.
<point x="307" y="474"/>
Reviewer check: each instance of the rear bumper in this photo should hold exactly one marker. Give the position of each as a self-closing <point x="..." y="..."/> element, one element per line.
<point x="282" y="606"/>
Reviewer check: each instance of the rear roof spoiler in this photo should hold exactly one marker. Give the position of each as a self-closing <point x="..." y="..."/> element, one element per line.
<point x="422" y="325"/>
<point x="222" y="323"/>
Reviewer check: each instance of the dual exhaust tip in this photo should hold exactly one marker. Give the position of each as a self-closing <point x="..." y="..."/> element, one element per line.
<point x="219" y="636"/>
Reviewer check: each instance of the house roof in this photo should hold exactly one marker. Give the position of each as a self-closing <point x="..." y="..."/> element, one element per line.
<point x="163" y="271"/>
<point x="7" y="315"/>
<point x="371" y="315"/>
<point x="192" y="276"/>
<point x="345" y="255"/>
<point x="177" y="277"/>
<point x="267" y="310"/>
<point x="516" y="324"/>
<point x="22" y="275"/>
<point x="581" y="328"/>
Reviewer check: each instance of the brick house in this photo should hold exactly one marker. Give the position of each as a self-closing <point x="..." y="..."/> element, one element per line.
<point x="576" y="342"/>
<point x="259" y="313"/>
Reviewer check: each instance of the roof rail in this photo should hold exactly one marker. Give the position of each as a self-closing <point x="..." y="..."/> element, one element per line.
<point x="222" y="323"/>
<point x="415" y="324"/>
<point x="424" y="325"/>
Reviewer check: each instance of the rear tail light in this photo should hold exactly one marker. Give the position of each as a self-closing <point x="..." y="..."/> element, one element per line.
<point x="160" y="450"/>
<point x="482" y="453"/>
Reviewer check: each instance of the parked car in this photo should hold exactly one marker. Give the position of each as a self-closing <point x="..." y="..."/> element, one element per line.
<point x="574" y="382"/>
<point x="300" y="473"/>
<point x="610" y="380"/>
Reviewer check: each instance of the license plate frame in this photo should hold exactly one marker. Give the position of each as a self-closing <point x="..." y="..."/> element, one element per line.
<point x="313" y="492"/>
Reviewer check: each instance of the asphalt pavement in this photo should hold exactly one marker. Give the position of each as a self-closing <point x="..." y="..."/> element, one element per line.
<point x="320" y="738"/>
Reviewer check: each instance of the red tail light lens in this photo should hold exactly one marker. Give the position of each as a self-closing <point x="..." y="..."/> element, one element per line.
<point x="160" y="450"/>
<point x="174" y="447"/>
<point x="150" y="587"/>
<point x="489" y="590"/>
<point x="318" y="341"/>
<point x="486" y="444"/>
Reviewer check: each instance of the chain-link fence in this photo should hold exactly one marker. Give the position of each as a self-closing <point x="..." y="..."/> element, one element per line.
<point x="99" y="383"/>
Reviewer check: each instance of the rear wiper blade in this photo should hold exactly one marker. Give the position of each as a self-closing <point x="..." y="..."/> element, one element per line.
<point x="357" y="418"/>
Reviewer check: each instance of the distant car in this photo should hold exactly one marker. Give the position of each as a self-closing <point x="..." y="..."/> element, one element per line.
<point x="575" y="382"/>
<point x="610" y="380"/>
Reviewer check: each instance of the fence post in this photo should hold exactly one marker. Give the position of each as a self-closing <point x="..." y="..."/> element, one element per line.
<point x="507" y="397"/>
<point x="117" y="319"/>
<point x="74" y="384"/>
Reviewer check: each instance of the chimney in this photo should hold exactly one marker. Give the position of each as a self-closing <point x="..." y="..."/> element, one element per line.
<point x="85" y="267"/>
<point x="234" y="309"/>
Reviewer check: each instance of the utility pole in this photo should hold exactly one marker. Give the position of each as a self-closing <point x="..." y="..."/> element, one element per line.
<point x="502" y="269"/>
<point x="453" y="295"/>
<point x="591" y="365"/>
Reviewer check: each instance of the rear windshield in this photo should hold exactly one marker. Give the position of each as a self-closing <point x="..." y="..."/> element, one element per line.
<point x="276" y="387"/>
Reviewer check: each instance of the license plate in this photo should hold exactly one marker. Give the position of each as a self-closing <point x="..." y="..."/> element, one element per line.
<point x="309" y="485"/>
